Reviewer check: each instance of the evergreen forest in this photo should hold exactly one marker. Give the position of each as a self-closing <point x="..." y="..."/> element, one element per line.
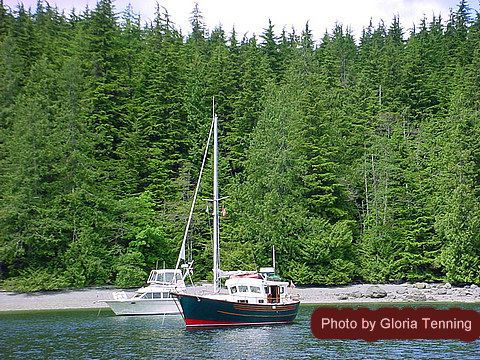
<point x="357" y="159"/>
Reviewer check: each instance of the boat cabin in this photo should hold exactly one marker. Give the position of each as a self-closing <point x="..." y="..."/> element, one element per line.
<point x="165" y="276"/>
<point x="256" y="289"/>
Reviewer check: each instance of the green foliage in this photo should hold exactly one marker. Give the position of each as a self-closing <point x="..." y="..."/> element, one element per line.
<point x="36" y="279"/>
<point x="354" y="160"/>
<point x="130" y="269"/>
<point x="458" y="217"/>
<point x="326" y="254"/>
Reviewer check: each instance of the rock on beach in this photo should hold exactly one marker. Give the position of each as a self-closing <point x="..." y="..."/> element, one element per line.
<point x="391" y="293"/>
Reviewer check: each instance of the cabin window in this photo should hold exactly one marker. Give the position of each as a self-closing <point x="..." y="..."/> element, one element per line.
<point x="243" y="288"/>
<point x="260" y="301"/>
<point x="147" y="296"/>
<point x="243" y="301"/>
<point x="255" y="289"/>
<point x="282" y="290"/>
<point x="233" y="289"/>
<point x="169" y="277"/>
<point x="166" y="295"/>
<point x="157" y="295"/>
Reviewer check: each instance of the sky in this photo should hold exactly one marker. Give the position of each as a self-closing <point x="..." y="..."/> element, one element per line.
<point x="251" y="16"/>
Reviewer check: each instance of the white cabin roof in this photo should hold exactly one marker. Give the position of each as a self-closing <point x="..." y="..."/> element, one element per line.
<point x="255" y="281"/>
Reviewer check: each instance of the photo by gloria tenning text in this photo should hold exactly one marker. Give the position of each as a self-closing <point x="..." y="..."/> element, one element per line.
<point x="395" y="323"/>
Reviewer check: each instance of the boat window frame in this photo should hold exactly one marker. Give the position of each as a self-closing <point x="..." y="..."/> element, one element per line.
<point x="165" y="276"/>
<point x="255" y="289"/>
<point x="171" y="276"/>
<point x="242" y="288"/>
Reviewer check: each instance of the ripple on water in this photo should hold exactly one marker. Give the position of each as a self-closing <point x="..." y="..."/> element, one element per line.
<point x="86" y="334"/>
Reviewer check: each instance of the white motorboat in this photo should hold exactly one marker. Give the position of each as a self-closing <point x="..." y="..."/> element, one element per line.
<point x="153" y="299"/>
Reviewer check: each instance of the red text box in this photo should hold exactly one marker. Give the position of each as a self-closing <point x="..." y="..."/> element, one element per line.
<point x="395" y="323"/>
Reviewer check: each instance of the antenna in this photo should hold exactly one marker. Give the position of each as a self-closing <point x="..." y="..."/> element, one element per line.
<point x="273" y="255"/>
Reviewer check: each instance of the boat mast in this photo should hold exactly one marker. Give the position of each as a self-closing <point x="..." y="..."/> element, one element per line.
<point x="216" y="238"/>
<point x="181" y="255"/>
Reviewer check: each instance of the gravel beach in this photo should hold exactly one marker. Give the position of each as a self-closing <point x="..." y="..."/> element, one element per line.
<point x="362" y="293"/>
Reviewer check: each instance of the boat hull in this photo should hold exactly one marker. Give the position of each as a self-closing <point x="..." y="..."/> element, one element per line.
<point x="201" y="311"/>
<point x="144" y="307"/>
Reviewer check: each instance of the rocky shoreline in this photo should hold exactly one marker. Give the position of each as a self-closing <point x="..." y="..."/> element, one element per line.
<point x="360" y="293"/>
<point x="390" y="293"/>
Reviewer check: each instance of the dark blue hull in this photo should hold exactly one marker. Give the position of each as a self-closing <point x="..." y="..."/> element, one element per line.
<point x="201" y="311"/>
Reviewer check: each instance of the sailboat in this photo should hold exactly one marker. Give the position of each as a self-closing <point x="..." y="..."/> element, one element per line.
<point x="251" y="298"/>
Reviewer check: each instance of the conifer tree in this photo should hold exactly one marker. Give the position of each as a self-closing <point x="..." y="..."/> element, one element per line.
<point x="354" y="160"/>
<point x="270" y="48"/>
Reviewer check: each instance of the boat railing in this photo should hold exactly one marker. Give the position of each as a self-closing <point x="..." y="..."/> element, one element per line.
<point x="120" y="295"/>
<point x="293" y="296"/>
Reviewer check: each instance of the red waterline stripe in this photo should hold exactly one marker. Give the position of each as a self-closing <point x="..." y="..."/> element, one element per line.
<point x="206" y="322"/>
<point x="194" y="322"/>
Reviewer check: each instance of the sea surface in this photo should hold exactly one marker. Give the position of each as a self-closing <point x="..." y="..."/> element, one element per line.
<point x="99" y="334"/>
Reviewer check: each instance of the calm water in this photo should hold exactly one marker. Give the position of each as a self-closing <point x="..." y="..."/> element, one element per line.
<point x="88" y="334"/>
